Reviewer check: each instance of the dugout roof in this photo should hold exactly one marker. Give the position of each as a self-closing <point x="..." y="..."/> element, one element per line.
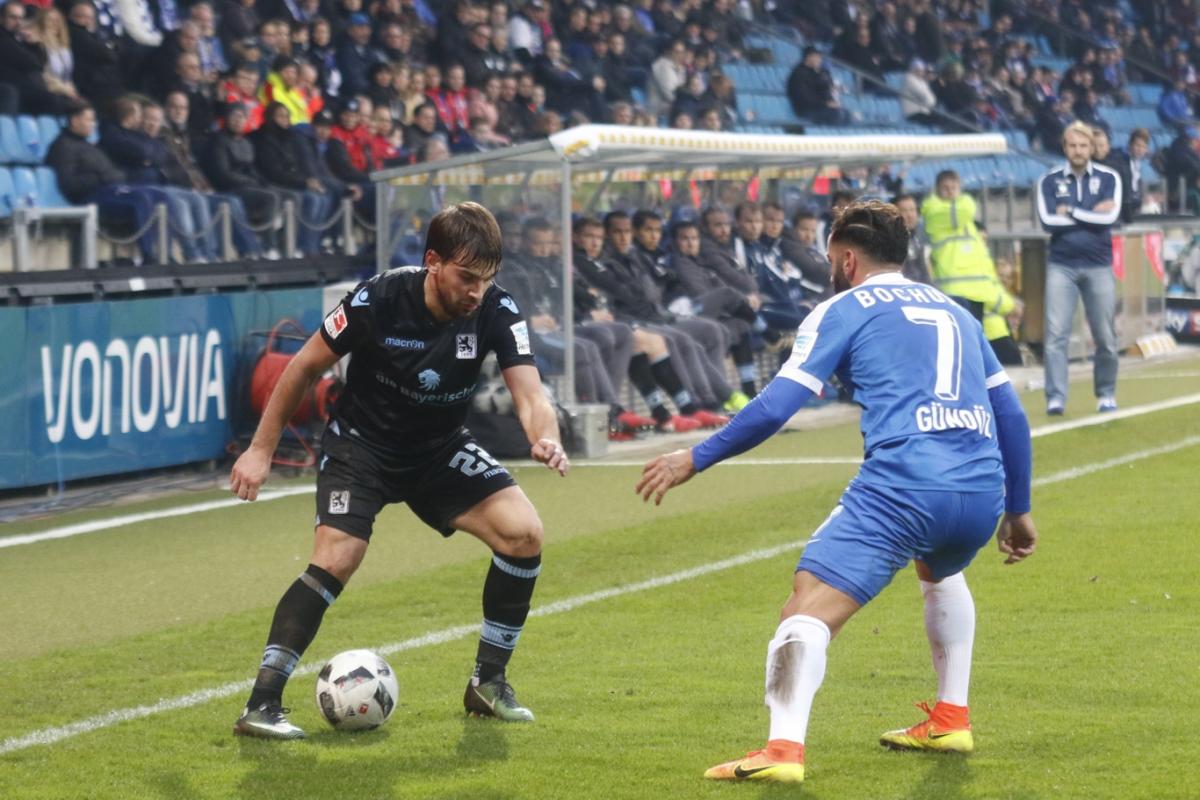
<point x="616" y="152"/>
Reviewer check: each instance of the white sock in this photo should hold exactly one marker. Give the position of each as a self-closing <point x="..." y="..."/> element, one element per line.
<point x="795" y="669"/>
<point x="950" y="626"/>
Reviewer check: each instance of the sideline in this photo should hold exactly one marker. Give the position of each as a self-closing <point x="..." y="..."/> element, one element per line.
<point x="48" y="736"/>
<point x="275" y="494"/>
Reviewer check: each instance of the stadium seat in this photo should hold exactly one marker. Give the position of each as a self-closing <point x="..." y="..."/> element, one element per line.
<point x="49" y="127"/>
<point x="7" y="197"/>
<point x="1142" y="117"/>
<point x="33" y="149"/>
<point x="1146" y="94"/>
<point x="10" y="141"/>
<point x="49" y="195"/>
<point x="25" y="190"/>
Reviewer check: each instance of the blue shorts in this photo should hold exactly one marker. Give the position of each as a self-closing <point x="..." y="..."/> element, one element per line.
<point x="874" y="532"/>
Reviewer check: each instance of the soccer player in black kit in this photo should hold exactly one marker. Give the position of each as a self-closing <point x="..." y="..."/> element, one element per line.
<point x="396" y="435"/>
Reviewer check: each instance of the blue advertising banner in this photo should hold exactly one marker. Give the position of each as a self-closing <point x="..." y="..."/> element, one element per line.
<point x="111" y="387"/>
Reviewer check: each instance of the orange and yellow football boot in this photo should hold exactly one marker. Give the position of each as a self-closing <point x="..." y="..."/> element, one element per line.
<point x="781" y="761"/>
<point x="947" y="730"/>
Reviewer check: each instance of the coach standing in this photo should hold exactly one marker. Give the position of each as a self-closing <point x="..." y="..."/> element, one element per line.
<point x="1078" y="203"/>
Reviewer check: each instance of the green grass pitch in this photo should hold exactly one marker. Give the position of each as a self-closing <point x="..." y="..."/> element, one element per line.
<point x="1084" y="683"/>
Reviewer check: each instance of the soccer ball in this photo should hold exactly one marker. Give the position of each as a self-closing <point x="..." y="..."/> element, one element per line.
<point x="493" y="398"/>
<point x="357" y="690"/>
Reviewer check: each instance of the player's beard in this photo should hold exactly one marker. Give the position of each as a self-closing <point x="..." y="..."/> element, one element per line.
<point x="455" y="307"/>
<point x="840" y="282"/>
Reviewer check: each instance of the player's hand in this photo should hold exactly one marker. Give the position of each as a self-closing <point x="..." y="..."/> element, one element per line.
<point x="249" y="472"/>
<point x="665" y="473"/>
<point x="551" y="453"/>
<point x="1017" y="537"/>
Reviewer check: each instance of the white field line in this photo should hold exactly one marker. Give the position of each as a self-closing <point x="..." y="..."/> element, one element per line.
<point x="275" y="494"/>
<point x="1088" y="469"/>
<point x="1113" y="416"/>
<point x="48" y="736"/>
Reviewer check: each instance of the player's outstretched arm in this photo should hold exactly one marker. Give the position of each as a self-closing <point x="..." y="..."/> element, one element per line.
<point x="665" y="473"/>
<point x="252" y="467"/>
<point x="537" y="417"/>
<point x="1017" y="535"/>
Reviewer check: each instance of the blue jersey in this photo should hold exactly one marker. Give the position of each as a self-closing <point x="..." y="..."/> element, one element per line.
<point x="920" y="367"/>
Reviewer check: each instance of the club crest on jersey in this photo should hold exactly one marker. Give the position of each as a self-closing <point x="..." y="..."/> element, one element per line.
<point x="429" y="380"/>
<point x="361" y="299"/>
<point x="1094" y="184"/>
<point x="509" y="303"/>
<point x="464" y="345"/>
<point x="336" y="322"/>
<point x="339" y="502"/>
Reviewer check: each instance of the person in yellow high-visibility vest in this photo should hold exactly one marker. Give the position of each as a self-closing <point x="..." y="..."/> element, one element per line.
<point x="962" y="267"/>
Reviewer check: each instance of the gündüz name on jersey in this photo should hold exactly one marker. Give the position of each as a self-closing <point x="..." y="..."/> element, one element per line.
<point x="139" y="381"/>
<point x="937" y="417"/>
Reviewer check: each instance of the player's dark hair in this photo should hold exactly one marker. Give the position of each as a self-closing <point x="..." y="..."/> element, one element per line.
<point x="802" y="215"/>
<point x="585" y="222"/>
<point x="904" y="196"/>
<point x="709" y="212"/>
<point x="613" y="216"/>
<point x="642" y="216"/>
<point x="466" y="233"/>
<point x="535" y="224"/>
<point x="682" y="225"/>
<point x="875" y="228"/>
<point x="746" y="207"/>
<point x="771" y="205"/>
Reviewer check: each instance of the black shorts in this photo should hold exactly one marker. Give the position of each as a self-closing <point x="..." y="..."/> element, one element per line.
<point x="354" y="483"/>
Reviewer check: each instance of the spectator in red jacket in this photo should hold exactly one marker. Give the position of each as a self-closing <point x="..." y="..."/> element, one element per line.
<point x="450" y="99"/>
<point x="241" y="89"/>
<point x="351" y="132"/>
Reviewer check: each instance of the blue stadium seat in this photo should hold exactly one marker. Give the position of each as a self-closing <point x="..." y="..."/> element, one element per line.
<point x="49" y="128"/>
<point x="1146" y="94"/>
<point x="10" y="141"/>
<point x="33" y="150"/>
<point x="887" y="109"/>
<point x="895" y="80"/>
<point x="25" y="190"/>
<point x="49" y="195"/>
<point x="1143" y="117"/>
<point x="7" y="195"/>
<point x="638" y="95"/>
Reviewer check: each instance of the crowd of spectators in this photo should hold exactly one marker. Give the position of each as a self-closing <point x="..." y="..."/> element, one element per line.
<point x="299" y="100"/>
<point x="669" y="305"/>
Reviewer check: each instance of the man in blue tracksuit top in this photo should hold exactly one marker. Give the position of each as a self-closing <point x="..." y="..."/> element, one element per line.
<point x="1078" y="203"/>
<point x="946" y="457"/>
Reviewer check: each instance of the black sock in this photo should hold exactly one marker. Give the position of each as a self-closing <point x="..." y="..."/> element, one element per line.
<point x="643" y="380"/>
<point x="743" y="359"/>
<point x="506" y="594"/>
<point x="666" y="377"/>
<point x="297" y="618"/>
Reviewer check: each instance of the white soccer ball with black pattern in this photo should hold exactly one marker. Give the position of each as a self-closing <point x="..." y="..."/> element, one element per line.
<point x="357" y="690"/>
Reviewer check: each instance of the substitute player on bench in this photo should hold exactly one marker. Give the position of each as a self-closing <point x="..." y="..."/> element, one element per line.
<point x="947" y="449"/>
<point x="418" y="337"/>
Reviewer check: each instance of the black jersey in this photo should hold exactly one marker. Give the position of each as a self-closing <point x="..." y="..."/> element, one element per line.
<point x="410" y="381"/>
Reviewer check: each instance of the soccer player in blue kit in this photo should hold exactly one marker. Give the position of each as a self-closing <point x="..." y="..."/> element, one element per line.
<point x="947" y="456"/>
